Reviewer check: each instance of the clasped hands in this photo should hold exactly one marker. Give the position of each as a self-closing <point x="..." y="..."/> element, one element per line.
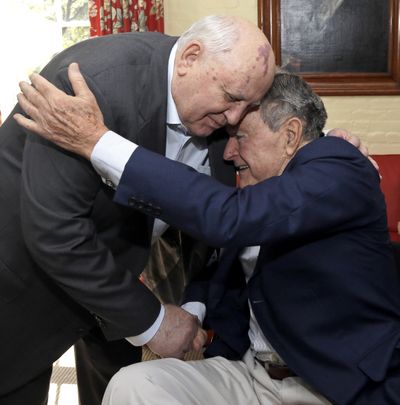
<point x="179" y="333"/>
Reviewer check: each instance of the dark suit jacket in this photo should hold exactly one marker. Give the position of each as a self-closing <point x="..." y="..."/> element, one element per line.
<point x="67" y="250"/>
<point x="325" y="290"/>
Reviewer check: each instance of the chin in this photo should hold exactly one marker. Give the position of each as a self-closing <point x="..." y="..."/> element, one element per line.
<point x="247" y="181"/>
<point x="243" y="183"/>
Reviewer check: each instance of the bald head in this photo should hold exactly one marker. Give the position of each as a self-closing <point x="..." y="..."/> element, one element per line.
<point x="230" y="38"/>
<point x="223" y="65"/>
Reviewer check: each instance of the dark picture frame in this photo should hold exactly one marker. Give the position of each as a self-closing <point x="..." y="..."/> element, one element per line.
<point x="377" y="75"/>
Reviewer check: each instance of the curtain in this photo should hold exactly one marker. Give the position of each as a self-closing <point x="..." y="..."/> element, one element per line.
<point x="112" y="16"/>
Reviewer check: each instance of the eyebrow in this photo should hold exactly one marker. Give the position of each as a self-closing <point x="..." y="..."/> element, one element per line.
<point x="238" y="97"/>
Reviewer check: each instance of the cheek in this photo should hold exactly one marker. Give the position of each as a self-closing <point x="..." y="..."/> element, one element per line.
<point x="262" y="167"/>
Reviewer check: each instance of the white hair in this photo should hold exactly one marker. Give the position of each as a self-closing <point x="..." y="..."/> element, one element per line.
<point x="217" y="33"/>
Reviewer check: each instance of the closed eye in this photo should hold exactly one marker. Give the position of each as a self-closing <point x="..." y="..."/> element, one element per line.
<point x="233" y="99"/>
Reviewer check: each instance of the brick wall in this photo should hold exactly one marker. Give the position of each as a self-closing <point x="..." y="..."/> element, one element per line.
<point x="375" y="119"/>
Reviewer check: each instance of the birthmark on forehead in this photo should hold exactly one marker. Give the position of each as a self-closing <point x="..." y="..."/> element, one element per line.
<point x="263" y="55"/>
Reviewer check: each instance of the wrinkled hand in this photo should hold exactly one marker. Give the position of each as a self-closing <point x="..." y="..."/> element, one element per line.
<point x="74" y="123"/>
<point x="179" y="333"/>
<point x="354" y="140"/>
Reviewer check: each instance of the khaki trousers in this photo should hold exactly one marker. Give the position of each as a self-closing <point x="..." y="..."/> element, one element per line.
<point x="206" y="382"/>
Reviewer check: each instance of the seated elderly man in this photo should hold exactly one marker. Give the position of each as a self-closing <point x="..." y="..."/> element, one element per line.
<point x="310" y="316"/>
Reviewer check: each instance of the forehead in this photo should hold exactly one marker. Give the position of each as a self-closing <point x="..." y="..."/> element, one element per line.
<point x="248" y="73"/>
<point x="241" y="87"/>
<point x="252" y="123"/>
<point x="255" y="62"/>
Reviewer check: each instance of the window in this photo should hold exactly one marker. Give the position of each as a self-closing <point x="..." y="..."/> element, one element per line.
<point x="70" y="18"/>
<point x="31" y="33"/>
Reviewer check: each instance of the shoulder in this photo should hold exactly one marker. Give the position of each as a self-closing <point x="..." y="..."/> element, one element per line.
<point x="329" y="146"/>
<point x="331" y="163"/>
<point x="331" y="151"/>
<point x="100" y="54"/>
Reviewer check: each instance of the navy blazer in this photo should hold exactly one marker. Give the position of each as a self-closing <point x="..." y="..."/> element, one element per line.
<point x="325" y="291"/>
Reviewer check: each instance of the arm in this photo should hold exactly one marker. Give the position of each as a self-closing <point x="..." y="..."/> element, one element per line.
<point x="227" y="234"/>
<point x="60" y="190"/>
<point x="61" y="203"/>
<point x="76" y="123"/>
<point x="322" y="196"/>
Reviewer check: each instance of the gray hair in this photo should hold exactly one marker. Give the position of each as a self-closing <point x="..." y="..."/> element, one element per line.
<point x="290" y="96"/>
<point x="218" y="34"/>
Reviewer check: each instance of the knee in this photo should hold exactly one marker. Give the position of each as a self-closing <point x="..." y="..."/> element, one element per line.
<point x="123" y="386"/>
<point x="132" y="384"/>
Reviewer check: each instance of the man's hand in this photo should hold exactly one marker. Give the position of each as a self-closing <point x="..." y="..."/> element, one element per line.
<point x="74" y="123"/>
<point x="179" y="333"/>
<point x="354" y="140"/>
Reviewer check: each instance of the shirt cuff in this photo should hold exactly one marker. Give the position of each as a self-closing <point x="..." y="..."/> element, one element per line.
<point x="195" y="308"/>
<point x="146" y="336"/>
<point x="110" y="155"/>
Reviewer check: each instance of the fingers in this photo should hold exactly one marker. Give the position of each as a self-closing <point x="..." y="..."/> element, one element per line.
<point x="26" y="105"/>
<point x="176" y="334"/>
<point x="28" y="123"/>
<point x="43" y="86"/>
<point x="354" y="140"/>
<point x="363" y="149"/>
<point x="375" y="164"/>
<point x="78" y="82"/>
<point x="200" y="340"/>
<point x="30" y="99"/>
<point x="346" y="135"/>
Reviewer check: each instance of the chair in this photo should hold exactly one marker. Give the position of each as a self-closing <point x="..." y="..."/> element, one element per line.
<point x="396" y="251"/>
<point x="389" y="167"/>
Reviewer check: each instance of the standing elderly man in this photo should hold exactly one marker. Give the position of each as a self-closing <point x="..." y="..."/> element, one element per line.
<point x="314" y="316"/>
<point x="70" y="257"/>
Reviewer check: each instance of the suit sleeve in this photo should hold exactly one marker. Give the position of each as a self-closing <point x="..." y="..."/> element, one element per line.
<point x="60" y="196"/>
<point x="314" y="196"/>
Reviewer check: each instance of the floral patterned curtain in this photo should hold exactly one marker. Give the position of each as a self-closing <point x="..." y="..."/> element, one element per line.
<point x="112" y="16"/>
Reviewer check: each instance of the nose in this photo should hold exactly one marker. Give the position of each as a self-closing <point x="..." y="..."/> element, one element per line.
<point x="231" y="149"/>
<point x="235" y="113"/>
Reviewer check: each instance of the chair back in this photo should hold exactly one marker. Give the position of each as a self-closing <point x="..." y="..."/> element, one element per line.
<point x="389" y="167"/>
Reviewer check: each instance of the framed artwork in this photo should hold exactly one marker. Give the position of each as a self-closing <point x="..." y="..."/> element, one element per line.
<point x="341" y="47"/>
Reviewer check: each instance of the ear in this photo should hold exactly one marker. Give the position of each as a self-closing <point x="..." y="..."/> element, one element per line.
<point x="293" y="130"/>
<point x="188" y="56"/>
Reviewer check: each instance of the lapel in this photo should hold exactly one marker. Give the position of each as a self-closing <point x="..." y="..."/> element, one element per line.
<point x="228" y="256"/>
<point x="152" y="107"/>
<point x="220" y="279"/>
